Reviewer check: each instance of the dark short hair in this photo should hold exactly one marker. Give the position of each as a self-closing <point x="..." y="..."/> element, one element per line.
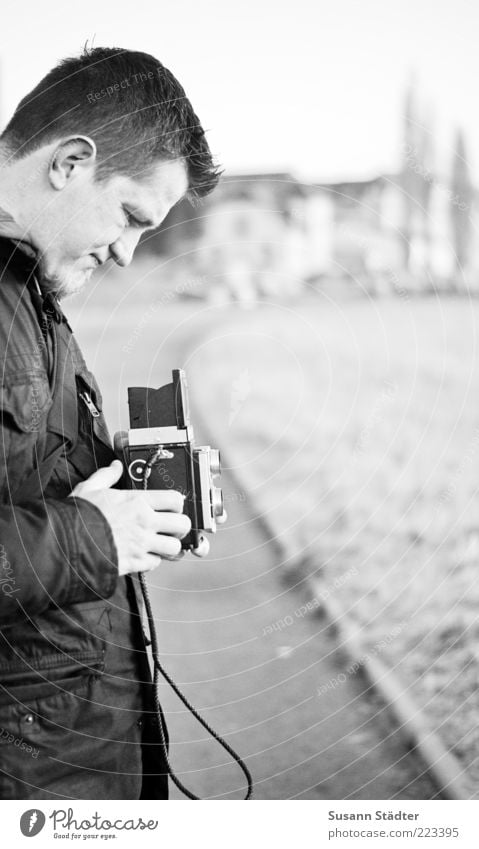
<point x="133" y="107"/>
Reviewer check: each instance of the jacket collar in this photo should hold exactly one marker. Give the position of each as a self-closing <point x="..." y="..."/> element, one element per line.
<point x="17" y="260"/>
<point x="12" y="256"/>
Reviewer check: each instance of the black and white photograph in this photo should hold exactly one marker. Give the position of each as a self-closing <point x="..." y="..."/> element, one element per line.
<point x="239" y="455"/>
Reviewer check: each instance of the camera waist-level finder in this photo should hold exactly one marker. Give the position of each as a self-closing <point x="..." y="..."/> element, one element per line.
<point x="161" y="450"/>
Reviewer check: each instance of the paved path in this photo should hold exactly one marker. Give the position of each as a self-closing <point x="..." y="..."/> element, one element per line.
<point x="260" y="689"/>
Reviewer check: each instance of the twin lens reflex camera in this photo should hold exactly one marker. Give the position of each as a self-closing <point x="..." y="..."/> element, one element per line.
<point x="161" y="454"/>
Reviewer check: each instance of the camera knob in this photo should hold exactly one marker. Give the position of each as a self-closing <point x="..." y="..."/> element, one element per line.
<point x="217" y="505"/>
<point x="215" y="461"/>
<point x="202" y="549"/>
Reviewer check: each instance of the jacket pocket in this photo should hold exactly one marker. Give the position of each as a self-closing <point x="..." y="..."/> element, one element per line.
<point x="60" y="634"/>
<point x="37" y="734"/>
<point x="70" y="745"/>
<point x="25" y="400"/>
<point x="58" y="673"/>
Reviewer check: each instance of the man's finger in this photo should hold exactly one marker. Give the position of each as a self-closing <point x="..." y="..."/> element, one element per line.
<point x="178" y="556"/>
<point x="171" y="523"/>
<point x="164" y="499"/>
<point x="151" y="561"/>
<point x="104" y="478"/>
<point x="164" y="546"/>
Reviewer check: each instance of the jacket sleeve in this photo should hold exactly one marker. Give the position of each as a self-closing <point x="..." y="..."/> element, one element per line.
<point x="54" y="552"/>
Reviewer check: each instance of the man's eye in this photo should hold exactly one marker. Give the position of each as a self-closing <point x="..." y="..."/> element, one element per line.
<point x="131" y="221"/>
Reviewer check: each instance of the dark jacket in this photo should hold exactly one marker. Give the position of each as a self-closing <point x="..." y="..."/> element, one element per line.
<point x="75" y="683"/>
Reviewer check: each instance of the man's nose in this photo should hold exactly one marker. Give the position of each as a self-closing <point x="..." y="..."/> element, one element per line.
<point x="123" y="248"/>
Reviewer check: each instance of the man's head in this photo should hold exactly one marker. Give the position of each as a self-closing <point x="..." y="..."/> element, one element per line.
<point x="98" y="152"/>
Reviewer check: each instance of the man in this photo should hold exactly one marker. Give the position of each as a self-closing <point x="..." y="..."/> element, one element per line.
<point x="95" y="155"/>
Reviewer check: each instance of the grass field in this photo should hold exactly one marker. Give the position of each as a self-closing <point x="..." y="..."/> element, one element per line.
<point x="357" y="425"/>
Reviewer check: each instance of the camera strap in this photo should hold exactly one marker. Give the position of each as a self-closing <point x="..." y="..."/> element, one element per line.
<point x="158" y="670"/>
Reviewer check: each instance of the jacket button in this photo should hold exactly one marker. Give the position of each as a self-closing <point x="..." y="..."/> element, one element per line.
<point x="28" y="719"/>
<point x="139" y="722"/>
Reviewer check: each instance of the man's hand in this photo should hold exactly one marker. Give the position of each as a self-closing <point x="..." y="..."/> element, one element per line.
<point x="142" y="535"/>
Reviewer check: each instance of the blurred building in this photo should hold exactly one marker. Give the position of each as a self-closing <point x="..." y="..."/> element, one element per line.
<point x="268" y="234"/>
<point x="262" y="235"/>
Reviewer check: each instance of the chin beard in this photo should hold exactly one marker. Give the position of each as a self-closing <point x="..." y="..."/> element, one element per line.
<point x="64" y="286"/>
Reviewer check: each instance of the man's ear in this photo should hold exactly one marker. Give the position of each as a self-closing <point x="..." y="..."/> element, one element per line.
<point x="72" y="155"/>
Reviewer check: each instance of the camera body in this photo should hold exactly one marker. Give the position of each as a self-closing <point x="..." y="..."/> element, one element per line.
<point x="161" y="454"/>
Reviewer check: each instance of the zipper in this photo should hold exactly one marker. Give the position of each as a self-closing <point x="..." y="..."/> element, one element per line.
<point x="86" y="398"/>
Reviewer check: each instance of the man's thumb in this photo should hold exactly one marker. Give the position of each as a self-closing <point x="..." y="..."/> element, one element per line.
<point x="104" y="478"/>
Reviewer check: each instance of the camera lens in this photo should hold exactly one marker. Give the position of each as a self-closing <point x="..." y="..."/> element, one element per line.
<point x="217" y="505"/>
<point x="215" y="461"/>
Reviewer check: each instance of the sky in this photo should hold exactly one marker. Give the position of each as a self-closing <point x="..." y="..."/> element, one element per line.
<point x="315" y="87"/>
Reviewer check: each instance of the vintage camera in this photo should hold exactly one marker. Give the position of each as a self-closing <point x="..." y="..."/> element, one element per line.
<point x="161" y="454"/>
